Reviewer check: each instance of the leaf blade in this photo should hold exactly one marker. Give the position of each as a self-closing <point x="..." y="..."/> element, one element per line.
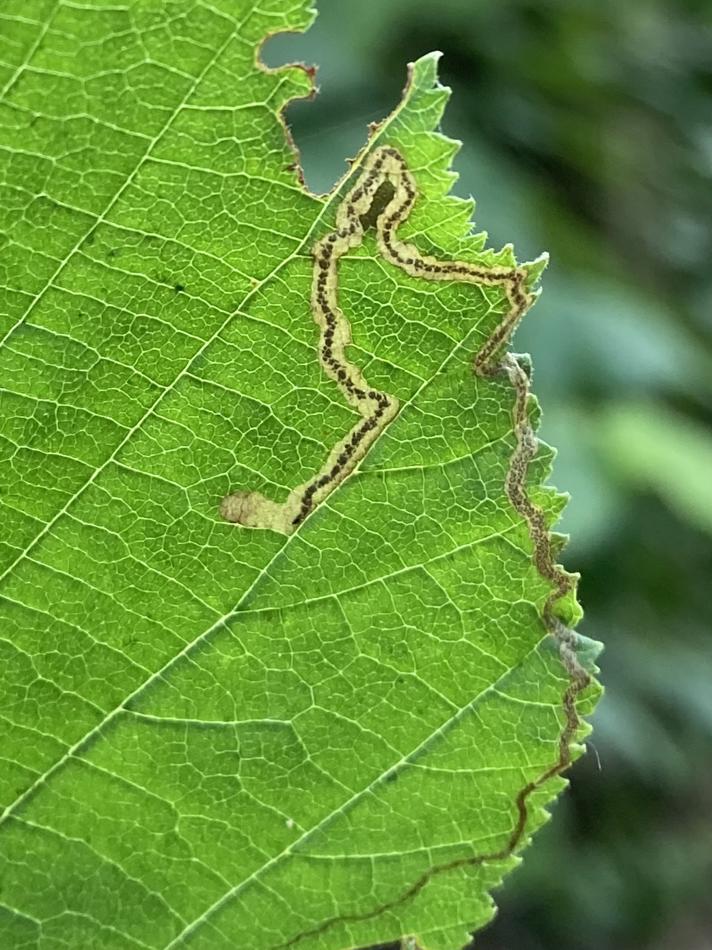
<point x="148" y="528"/>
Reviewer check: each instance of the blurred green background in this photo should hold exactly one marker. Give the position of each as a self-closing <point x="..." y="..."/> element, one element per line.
<point x="587" y="130"/>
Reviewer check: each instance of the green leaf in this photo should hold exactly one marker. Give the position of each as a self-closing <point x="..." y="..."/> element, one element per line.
<point x="338" y="721"/>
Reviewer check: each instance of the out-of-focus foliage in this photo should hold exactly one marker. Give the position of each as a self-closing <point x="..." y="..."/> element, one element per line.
<point x="587" y="130"/>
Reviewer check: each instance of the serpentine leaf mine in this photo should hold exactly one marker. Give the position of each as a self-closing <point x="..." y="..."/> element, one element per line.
<point x="386" y="189"/>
